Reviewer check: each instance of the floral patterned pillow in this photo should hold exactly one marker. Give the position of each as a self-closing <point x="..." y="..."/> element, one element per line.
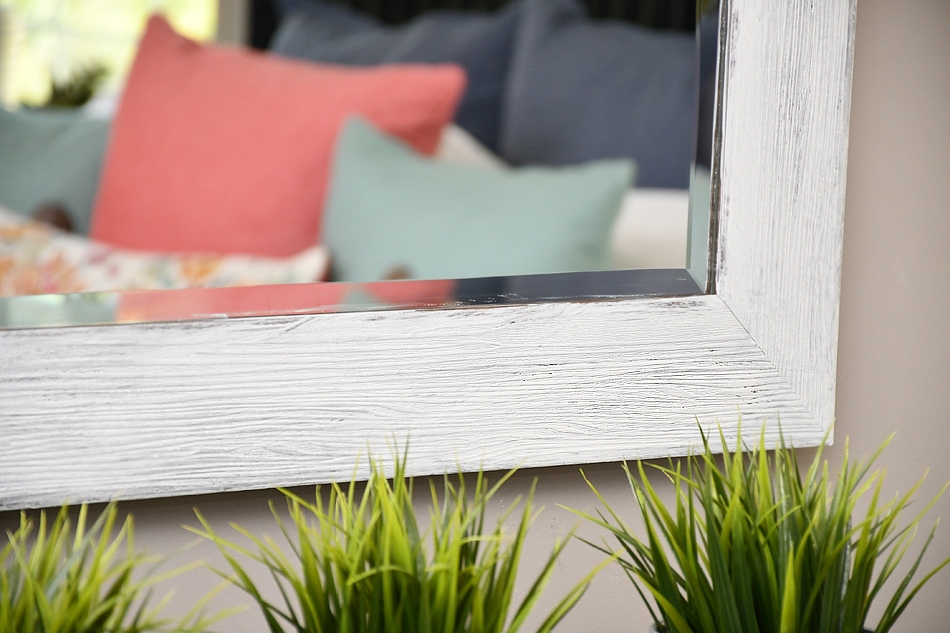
<point x="38" y="259"/>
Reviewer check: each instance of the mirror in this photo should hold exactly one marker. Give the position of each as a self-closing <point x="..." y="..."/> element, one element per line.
<point x="162" y="409"/>
<point x="657" y="210"/>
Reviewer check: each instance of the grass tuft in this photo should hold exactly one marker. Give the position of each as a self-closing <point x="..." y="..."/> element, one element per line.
<point x="754" y="545"/>
<point x="362" y="562"/>
<point x="65" y="576"/>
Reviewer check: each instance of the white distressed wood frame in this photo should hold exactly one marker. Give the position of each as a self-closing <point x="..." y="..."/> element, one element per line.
<point x="154" y="410"/>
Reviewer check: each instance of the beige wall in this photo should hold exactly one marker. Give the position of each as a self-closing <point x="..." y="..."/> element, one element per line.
<point x="894" y="342"/>
<point x="894" y="358"/>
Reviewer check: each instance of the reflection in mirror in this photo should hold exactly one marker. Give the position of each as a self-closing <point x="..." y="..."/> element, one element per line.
<point x="701" y="231"/>
<point x="570" y="148"/>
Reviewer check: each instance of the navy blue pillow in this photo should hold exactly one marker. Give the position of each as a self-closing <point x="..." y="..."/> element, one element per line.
<point x="480" y="43"/>
<point x="583" y="90"/>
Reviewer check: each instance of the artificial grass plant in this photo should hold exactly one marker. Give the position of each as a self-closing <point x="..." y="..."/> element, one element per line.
<point x="61" y="576"/>
<point x="359" y="562"/>
<point x="751" y="546"/>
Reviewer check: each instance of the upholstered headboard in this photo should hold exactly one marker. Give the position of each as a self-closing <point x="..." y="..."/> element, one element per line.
<point x="662" y="14"/>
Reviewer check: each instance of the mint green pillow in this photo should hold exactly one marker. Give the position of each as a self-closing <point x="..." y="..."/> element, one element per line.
<point x="51" y="156"/>
<point x="390" y="209"/>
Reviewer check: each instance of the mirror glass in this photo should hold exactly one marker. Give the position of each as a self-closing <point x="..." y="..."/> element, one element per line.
<point x="590" y="179"/>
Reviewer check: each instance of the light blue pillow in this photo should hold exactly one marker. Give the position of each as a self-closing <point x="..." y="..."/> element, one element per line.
<point x="51" y="156"/>
<point x="391" y="209"/>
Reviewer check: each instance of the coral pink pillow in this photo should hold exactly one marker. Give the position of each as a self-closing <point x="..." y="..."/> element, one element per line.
<point x="223" y="150"/>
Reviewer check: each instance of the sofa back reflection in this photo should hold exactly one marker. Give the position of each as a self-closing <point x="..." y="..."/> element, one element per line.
<point x="679" y="15"/>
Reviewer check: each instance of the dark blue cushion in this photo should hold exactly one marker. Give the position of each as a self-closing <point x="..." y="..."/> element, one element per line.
<point x="583" y="90"/>
<point x="480" y="43"/>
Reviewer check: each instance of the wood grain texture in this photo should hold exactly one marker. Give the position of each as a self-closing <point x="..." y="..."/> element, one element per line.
<point x="152" y="410"/>
<point x="784" y="154"/>
<point x="169" y="409"/>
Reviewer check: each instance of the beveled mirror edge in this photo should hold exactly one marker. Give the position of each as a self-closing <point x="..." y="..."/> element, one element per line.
<point x="188" y="304"/>
<point x="157" y="410"/>
<point x="715" y="193"/>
